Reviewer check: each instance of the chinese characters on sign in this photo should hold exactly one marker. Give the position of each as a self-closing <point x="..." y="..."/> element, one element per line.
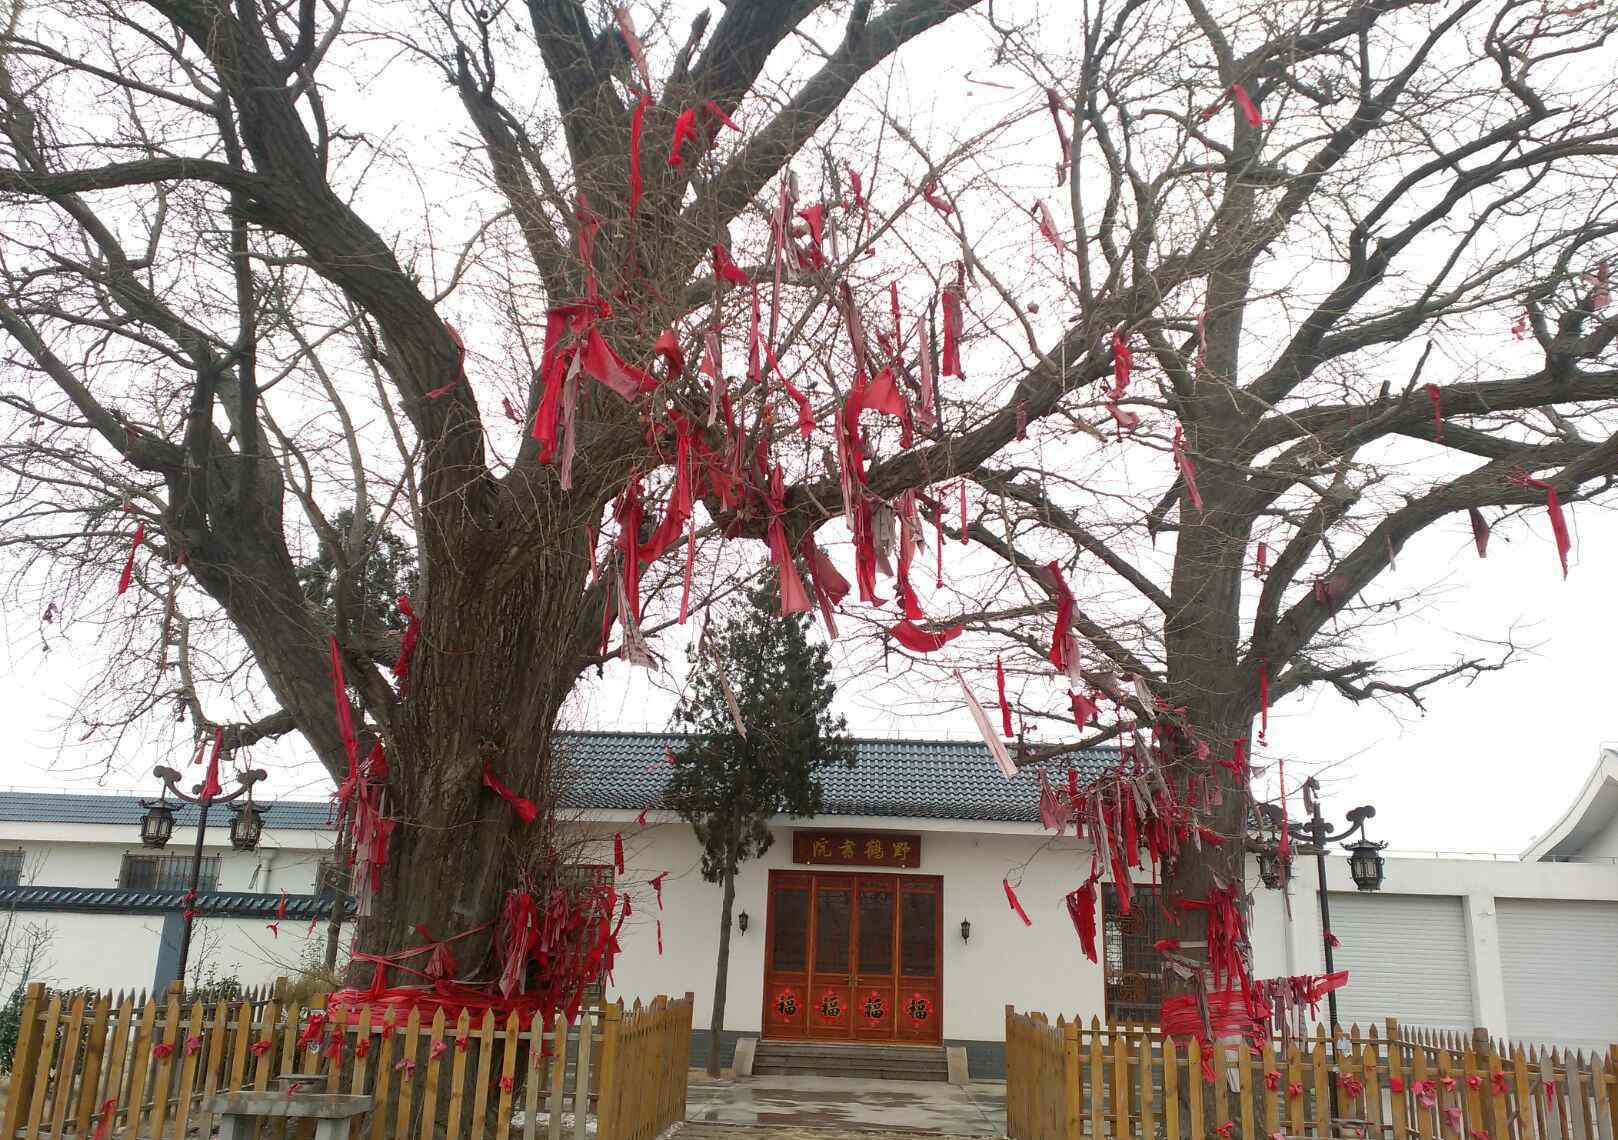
<point x="856" y="849"/>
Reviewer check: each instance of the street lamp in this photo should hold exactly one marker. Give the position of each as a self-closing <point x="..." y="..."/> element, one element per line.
<point x="1312" y="835"/>
<point x="157" y="824"/>
<point x="246" y="827"/>
<point x="1365" y="864"/>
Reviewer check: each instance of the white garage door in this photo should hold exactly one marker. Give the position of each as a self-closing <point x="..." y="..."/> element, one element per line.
<point x="1560" y="960"/>
<point x="1406" y="957"/>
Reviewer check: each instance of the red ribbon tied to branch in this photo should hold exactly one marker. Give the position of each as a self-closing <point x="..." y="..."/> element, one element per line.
<point x="407" y="640"/>
<point x="127" y="574"/>
<point x="1011" y="897"/>
<point x="1553" y="507"/>
<point x="910" y="635"/>
<point x="1081" y="908"/>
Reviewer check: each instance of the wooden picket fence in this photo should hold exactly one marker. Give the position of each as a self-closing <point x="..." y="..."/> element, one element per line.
<point x="122" y="1067"/>
<point x="646" y="1057"/>
<point x="1065" y="1081"/>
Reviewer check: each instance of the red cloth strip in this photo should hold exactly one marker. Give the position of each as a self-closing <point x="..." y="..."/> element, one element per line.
<point x="525" y="809"/>
<point x="128" y="573"/>
<point x="1011" y="897"/>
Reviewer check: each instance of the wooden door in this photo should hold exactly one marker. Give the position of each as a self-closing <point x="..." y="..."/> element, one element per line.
<point x="919" y="995"/>
<point x="876" y="947"/>
<point x="831" y="958"/>
<point x="853" y="957"/>
<point x="786" y="964"/>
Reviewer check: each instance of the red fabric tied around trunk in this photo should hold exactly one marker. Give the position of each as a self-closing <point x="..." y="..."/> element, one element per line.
<point x="1230" y="1014"/>
<point x="918" y="640"/>
<point x="525" y="808"/>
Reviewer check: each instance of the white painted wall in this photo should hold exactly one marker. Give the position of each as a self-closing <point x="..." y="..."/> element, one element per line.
<point x="119" y="951"/>
<point x="1038" y="967"/>
<point x="90" y="855"/>
<point x="1041" y="967"/>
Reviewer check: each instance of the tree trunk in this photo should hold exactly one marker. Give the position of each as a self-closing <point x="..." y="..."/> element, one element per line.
<point x="721" y="970"/>
<point x="498" y="656"/>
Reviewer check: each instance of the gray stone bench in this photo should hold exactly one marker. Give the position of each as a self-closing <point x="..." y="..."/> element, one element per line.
<point x="331" y="1112"/>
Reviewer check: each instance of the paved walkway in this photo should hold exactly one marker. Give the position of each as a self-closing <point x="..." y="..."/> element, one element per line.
<point x="774" y="1108"/>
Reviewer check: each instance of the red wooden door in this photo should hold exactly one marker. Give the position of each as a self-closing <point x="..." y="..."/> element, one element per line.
<point x="853" y="957"/>
<point x="919" y="997"/>
<point x="876" y="945"/>
<point x="786" y="963"/>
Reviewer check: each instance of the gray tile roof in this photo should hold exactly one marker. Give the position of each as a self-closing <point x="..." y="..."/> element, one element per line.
<point x="81" y="807"/>
<point x="924" y="779"/>
<point x="121" y="900"/>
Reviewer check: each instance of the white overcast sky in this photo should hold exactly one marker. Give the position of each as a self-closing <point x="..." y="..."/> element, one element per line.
<point x="1485" y="769"/>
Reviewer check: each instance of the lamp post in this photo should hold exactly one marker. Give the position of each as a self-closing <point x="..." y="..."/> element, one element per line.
<point x="246" y="828"/>
<point x="1364" y="866"/>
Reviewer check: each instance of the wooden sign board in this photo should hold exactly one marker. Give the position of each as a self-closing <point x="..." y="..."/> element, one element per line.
<point x="856" y="849"/>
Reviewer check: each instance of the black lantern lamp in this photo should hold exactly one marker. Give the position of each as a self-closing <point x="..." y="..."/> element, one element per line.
<point x="157" y="824"/>
<point x="246" y="826"/>
<point x="741" y="922"/>
<point x="966" y="931"/>
<point x="1273" y="871"/>
<point x="1365" y="864"/>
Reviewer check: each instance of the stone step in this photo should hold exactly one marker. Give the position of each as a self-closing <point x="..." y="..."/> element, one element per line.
<point x="877" y="1062"/>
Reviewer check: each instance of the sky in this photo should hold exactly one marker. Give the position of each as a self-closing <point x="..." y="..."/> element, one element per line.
<point x="1485" y="768"/>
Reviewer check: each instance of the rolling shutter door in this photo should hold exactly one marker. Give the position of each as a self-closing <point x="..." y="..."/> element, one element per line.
<point x="1406" y="958"/>
<point x="1560" y="961"/>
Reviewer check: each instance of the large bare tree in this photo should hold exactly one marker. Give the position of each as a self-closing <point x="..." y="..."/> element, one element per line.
<point x="1357" y="251"/>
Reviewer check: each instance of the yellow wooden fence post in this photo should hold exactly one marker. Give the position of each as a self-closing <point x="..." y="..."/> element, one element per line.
<point x="606" y="1107"/>
<point x="1072" y="1083"/>
<point x="24" y="1061"/>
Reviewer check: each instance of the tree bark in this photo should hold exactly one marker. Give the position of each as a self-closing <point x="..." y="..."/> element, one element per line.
<point x="721" y="970"/>
<point x="495" y="662"/>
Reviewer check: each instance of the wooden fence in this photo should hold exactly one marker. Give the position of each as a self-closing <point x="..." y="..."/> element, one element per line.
<point x="1065" y="1081"/>
<point x="646" y="1054"/>
<point x="129" y="1068"/>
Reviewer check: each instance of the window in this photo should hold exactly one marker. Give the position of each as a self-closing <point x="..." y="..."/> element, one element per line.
<point x="1134" y="968"/>
<point x="330" y="877"/>
<point x="577" y="876"/>
<point x="11" y="868"/>
<point x="167" y="873"/>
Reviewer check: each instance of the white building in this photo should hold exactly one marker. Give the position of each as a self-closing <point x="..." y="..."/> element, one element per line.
<point x="891" y="899"/>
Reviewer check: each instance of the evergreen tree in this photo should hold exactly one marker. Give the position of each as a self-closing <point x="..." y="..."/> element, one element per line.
<point x="729" y="781"/>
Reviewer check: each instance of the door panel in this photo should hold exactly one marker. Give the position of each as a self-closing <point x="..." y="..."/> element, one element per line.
<point x="876" y="937"/>
<point x="919" y="1003"/>
<point x="786" y="970"/>
<point x="830" y="974"/>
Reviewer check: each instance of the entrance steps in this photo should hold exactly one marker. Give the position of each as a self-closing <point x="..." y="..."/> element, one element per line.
<point x="869" y="1062"/>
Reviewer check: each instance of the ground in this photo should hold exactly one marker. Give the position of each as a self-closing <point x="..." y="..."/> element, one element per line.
<point x="779" y="1108"/>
